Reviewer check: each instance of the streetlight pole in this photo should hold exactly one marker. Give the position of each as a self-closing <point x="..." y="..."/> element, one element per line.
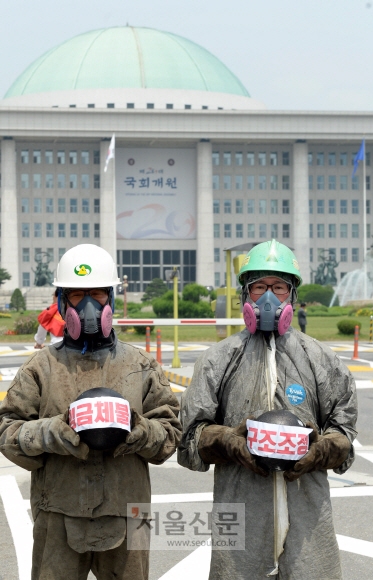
<point x="125" y="286"/>
<point x="176" y="364"/>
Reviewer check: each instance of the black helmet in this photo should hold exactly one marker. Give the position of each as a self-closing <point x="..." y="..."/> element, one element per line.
<point x="100" y="438"/>
<point x="279" y="417"/>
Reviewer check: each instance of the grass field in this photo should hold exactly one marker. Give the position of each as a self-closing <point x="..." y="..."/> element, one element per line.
<point x="320" y="327"/>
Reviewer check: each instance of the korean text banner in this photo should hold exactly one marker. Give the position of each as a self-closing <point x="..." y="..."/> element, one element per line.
<point x="156" y="193"/>
<point x="100" y="412"/>
<point x="277" y="441"/>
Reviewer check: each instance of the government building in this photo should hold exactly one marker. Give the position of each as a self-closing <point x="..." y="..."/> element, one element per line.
<point x="200" y="166"/>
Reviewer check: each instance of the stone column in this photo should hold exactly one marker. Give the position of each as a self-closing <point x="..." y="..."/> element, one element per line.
<point x="205" y="227"/>
<point x="9" y="214"/>
<point x="108" y="229"/>
<point x="301" y="239"/>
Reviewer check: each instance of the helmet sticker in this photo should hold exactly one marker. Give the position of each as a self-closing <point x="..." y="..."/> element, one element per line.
<point x="83" y="270"/>
<point x="296" y="394"/>
<point x="295" y="264"/>
<point x="247" y="260"/>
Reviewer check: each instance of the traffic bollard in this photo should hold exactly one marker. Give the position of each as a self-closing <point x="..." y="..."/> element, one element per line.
<point x="147" y="339"/>
<point x="371" y="330"/>
<point x="356" y="344"/>
<point x="159" y="347"/>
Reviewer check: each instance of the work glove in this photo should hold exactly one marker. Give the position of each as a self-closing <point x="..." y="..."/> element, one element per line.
<point x="220" y="444"/>
<point x="51" y="436"/>
<point x="325" y="452"/>
<point x="137" y="438"/>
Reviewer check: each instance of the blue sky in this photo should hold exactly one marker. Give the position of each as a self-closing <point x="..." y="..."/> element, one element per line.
<point x="289" y="54"/>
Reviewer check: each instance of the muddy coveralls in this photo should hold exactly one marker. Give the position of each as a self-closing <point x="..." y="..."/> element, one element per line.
<point x="230" y="382"/>
<point x="80" y="507"/>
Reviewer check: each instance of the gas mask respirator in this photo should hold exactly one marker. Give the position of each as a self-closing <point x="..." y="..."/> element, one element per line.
<point x="89" y="317"/>
<point x="268" y="313"/>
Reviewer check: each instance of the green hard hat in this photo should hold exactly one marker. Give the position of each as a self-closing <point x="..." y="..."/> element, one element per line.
<point x="270" y="258"/>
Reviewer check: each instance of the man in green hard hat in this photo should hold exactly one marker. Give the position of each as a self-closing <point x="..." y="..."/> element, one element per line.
<point x="270" y="366"/>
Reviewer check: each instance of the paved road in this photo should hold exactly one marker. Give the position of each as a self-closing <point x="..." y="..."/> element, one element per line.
<point x="352" y="493"/>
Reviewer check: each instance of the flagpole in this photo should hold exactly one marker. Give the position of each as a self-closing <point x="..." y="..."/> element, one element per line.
<point x="365" y="228"/>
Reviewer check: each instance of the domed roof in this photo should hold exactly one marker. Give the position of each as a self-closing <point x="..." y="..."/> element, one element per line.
<point x="127" y="57"/>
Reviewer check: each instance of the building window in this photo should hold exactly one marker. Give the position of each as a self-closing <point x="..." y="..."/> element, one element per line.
<point x="61" y="205"/>
<point x="250" y="206"/>
<point x="238" y="158"/>
<point x="285" y="182"/>
<point x="263" y="206"/>
<point x="274" y="231"/>
<point x="355" y="230"/>
<point x="227" y="230"/>
<point x="310" y="182"/>
<point x="36" y="181"/>
<point x="367" y="206"/>
<point x="37" y="230"/>
<point x="96" y="157"/>
<point x="286" y="230"/>
<point x="24" y="181"/>
<point x="367" y="158"/>
<point x="274" y="206"/>
<point x="169" y="106"/>
<point x="368" y="231"/>
<point x="96" y="230"/>
<point x="26" y="279"/>
<point x="227" y="206"/>
<point x="310" y="158"/>
<point x="25" y="205"/>
<point x="320" y="159"/>
<point x="238" y="180"/>
<point x="37" y="205"/>
<point x="37" y="156"/>
<point x="239" y="230"/>
<point x="355" y="182"/>
<point x="355" y="254"/>
<point x="217" y="279"/>
<point x="332" y="182"/>
<point x="262" y="159"/>
<point x="25" y="254"/>
<point x="61" y="252"/>
<point x="250" y="182"/>
<point x="215" y="158"/>
<point x="85" y="205"/>
<point x="130" y="105"/>
<point x="285" y="158"/>
<point x="263" y="231"/>
<point x="85" y="181"/>
<point x="310" y="205"/>
<point x="343" y="205"/>
<point x="320" y="182"/>
<point x="311" y="230"/>
<point x="320" y="231"/>
<point x="262" y="182"/>
<point x="50" y="231"/>
<point x="73" y="205"/>
<point x="85" y="230"/>
<point x="250" y="158"/>
<point x="216" y="206"/>
<point x="355" y="205"/>
<point x="84" y="156"/>
<point x="239" y="205"/>
<point x="187" y="106"/>
<point x="273" y="158"/>
<point x="73" y="180"/>
<point x="61" y="158"/>
<point x="96" y="206"/>
<point x="215" y="182"/>
<point x="49" y="181"/>
<point x="96" y="182"/>
<point x="332" y="206"/>
<point x="73" y="157"/>
<point x="227" y="158"/>
<point x="367" y="182"/>
<point x="343" y="182"/>
<point x="216" y="230"/>
<point x="50" y="252"/>
<point x="251" y="230"/>
<point x="150" y="105"/>
<point x="49" y="157"/>
<point x="343" y="159"/>
<point x="311" y="254"/>
<point x="285" y="206"/>
<point x="73" y="230"/>
<point x="320" y="206"/>
<point x="227" y="181"/>
<point x="274" y="182"/>
<point x="61" y="230"/>
<point x="24" y="156"/>
<point x="343" y="255"/>
<point x="61" y="181"/>
<point x="49" y="205"/>
<point x="343" y="230"/>
<point x="331" y="159"/>
<point x="332" y="229"/>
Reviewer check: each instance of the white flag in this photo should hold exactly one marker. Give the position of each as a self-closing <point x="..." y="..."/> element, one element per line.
<point x="111" y="152"/>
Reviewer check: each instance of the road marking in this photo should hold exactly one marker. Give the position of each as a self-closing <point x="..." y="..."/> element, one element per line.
<point x="360" y="547"/>
<point x="364" y="384"/>
<point x="359" y="369"/>
<point x="196" y="564"/>
<point x="19" y="523"/>
<point x="368" y="456"/>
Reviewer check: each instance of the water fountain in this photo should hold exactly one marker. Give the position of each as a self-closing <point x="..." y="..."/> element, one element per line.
<point x="356" y="285"/>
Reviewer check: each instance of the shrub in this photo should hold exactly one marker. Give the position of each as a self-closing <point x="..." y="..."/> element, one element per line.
<point x="26" y="325"/>
<point x="17" y="301"/>
<point x="316" y="293"/>
<point x="5" y="315"/>
<point x="364" y="312"/>
<point x="155" y="289"/>
<point x="347" y="325"/>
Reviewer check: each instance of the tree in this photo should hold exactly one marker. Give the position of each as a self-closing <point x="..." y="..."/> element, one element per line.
<point x="17" y="301"/>
<point x="164" y="307"/>
<point x="4" y="275"/>
<point x="155" y="289"/>
<point x="193" y="292"/>
<point x="316" y="293"/>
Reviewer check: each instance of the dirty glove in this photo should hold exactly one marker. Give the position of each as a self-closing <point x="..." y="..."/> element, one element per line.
<point x="325" y="452"/>
<point x="138" y="436"/>
<point x="220" y="444"/>
<point x="51" y="436"/>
